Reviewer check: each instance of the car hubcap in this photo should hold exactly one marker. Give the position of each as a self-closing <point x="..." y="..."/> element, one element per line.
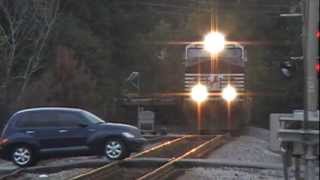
<point x="21" y="156"/>
<point x="113" y="149"/>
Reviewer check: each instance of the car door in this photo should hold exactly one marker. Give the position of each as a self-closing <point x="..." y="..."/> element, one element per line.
<point x="41" y="127"/>
<point x="74" y="129"/>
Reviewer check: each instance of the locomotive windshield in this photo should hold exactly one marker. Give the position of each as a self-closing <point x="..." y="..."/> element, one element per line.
<point x="199" y="53"/>
<point x="230" y="60"/>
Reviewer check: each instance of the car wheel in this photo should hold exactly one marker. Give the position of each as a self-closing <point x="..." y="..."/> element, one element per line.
<point x="22" y="156"/>
<point x="115" y="149"/>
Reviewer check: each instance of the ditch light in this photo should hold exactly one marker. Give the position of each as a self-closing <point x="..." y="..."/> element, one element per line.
<point x="199" y="93"/>
<point x="229" y="93"/>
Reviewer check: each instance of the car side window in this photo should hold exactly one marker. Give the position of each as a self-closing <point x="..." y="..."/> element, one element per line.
<point x="71" y="119"/>
<point x="22" y="121"/>
<point x="38" y="120"/>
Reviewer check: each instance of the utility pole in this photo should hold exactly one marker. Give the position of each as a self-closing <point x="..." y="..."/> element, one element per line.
<point x="310" y="53"/>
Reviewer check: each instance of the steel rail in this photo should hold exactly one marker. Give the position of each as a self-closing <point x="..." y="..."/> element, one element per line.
<point x="167" y="169"/>
<point x="113" y="167"/>
<point x="162" y="170"/>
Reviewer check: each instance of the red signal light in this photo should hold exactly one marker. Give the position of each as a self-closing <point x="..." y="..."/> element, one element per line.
<point x="318" y="67"/>
<point x="318" y="34"/>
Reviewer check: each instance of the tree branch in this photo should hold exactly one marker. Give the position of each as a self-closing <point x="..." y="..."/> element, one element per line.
<point x="34" y="61"/>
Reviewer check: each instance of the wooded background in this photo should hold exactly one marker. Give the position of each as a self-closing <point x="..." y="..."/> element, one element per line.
<point x="78" y="53"/>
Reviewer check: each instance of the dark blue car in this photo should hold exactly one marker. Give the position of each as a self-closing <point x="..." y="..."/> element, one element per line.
<point x="31" y="133"/>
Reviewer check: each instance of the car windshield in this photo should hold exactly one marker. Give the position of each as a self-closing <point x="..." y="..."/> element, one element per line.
<point x="93" y="118"/>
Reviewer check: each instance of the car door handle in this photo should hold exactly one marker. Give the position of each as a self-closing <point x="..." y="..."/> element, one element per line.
<point x="63" y="131"/>
<point x="30" y="132"/>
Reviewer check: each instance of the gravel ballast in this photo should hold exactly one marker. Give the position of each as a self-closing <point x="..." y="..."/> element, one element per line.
<point x="248" y="149"/>
<point x="231" y="174"/>
<point x="252" y="147"/>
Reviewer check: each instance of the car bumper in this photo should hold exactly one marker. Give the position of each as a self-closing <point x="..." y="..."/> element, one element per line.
<point x="136" y="144"/>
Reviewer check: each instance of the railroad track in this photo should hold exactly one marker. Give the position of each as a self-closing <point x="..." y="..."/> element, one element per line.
<point x="189" y="146"/>
<point x="169" y="152"/>
<point x="69" y="166"/>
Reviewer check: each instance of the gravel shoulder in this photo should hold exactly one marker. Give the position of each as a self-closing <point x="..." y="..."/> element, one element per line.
<point x="231" y="174"/>
<point x="247" y="149"/>
<point x="251" y="147"/>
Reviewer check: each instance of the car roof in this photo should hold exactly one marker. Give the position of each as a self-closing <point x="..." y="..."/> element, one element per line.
<point x="49" y="109"/>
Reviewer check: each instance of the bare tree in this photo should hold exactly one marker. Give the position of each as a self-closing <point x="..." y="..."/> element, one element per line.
<point x="25" y="26"/>
<point x="68" y="83"/>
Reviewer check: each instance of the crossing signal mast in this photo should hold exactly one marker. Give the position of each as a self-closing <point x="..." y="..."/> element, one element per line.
<point x="310" y="53"/>
<point x="317" y="66"/>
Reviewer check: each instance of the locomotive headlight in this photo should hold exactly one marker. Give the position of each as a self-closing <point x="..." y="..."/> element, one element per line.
<point x="229" y="93"/>
<point x="214" y="42"/>
<point x="199" y="93"/>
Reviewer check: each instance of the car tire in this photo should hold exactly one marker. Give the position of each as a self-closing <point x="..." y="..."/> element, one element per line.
<point x="23" y="155"/>
<point x="115" y="149"/>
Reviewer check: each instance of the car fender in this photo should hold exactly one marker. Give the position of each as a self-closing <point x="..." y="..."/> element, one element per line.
<point x="98" y="138"/>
